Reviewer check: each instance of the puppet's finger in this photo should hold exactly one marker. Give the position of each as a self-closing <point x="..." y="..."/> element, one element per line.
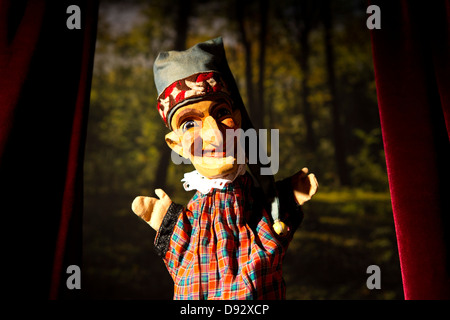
<point x="303" y="173"/>
<point x="163" y="196"/>
<point x="160" y="209"/>
<point x="143" y="207"/>
<point x="300" y="176"/>
<point x="313" y="183"/>
<point x="160" y="193"/>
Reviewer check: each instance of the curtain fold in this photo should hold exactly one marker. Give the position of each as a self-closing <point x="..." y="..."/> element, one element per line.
<point x="411" y="61"/>
<point x="45" y="79"/>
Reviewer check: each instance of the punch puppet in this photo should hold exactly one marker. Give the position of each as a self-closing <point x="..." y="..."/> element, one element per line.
<point x="230" y="239"/>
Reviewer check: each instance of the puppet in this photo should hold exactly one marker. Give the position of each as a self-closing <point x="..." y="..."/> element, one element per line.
<point x="230" y="239"/>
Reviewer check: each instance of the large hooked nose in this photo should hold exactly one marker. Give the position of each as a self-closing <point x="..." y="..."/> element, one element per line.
<point x="211" y="133"/>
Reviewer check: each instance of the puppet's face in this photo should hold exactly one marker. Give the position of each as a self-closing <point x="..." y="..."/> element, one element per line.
<point x="199" y="133"/>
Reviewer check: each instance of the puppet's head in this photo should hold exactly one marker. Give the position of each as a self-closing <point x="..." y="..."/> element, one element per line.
<point x="198" y="100"/>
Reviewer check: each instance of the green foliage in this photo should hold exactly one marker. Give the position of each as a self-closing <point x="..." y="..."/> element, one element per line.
<point x="345" y="230"/>
<point x="125" y="133"/>
<point x="368" y="165"/>
<point x="121" y="139"/>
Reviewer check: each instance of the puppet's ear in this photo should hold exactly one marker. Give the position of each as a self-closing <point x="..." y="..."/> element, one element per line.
<point x="174" y="142"/>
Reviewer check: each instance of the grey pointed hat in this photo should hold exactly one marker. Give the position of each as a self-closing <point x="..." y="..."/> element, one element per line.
<point x="183" y="77"/>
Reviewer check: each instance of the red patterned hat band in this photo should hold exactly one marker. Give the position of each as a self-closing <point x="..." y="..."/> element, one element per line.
<point x="195" y="87"/>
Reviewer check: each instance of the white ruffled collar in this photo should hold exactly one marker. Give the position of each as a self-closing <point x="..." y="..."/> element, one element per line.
<point x="195" y="181"/>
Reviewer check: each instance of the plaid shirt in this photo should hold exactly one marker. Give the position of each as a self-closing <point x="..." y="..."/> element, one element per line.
<point x="222" y="246"/>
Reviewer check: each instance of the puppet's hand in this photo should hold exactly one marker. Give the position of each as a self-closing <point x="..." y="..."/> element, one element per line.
<point x="152" y="210"/>
<point x="304" y="185"/>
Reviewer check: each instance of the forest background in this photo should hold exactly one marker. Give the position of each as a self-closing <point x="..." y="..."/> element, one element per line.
<point x="304" y="68"/>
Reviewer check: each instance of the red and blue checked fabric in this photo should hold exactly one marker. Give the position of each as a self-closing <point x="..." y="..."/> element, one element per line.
<point x="223" y="247"/>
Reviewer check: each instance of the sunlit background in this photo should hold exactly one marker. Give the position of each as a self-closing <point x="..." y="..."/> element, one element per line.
<point x="303" y="67"/>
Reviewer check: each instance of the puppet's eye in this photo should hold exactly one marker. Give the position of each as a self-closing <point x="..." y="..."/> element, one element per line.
<point x="188" y="125"/>
<point x="222" y="112"/>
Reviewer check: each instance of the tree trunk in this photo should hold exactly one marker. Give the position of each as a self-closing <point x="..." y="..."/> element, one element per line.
<point x="304" y="53"/>
<point x="248" y="60"/>
<point x="181" y="27"/>
<point x="338" y="137"/>
<point x="182" y="24"/>
<point x="305" y="18"/>
<point x="259" y="116"/>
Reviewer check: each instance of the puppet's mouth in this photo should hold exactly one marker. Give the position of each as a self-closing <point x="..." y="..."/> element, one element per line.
<point x="214" y="154"/>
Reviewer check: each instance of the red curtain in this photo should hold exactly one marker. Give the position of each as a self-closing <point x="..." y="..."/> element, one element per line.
<point x="45" y="79"/>
<point x="412" y="70"/>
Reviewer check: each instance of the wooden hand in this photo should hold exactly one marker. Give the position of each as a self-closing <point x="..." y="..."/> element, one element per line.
<point x="304" y="185"/>
<point x="152" y="210"/>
